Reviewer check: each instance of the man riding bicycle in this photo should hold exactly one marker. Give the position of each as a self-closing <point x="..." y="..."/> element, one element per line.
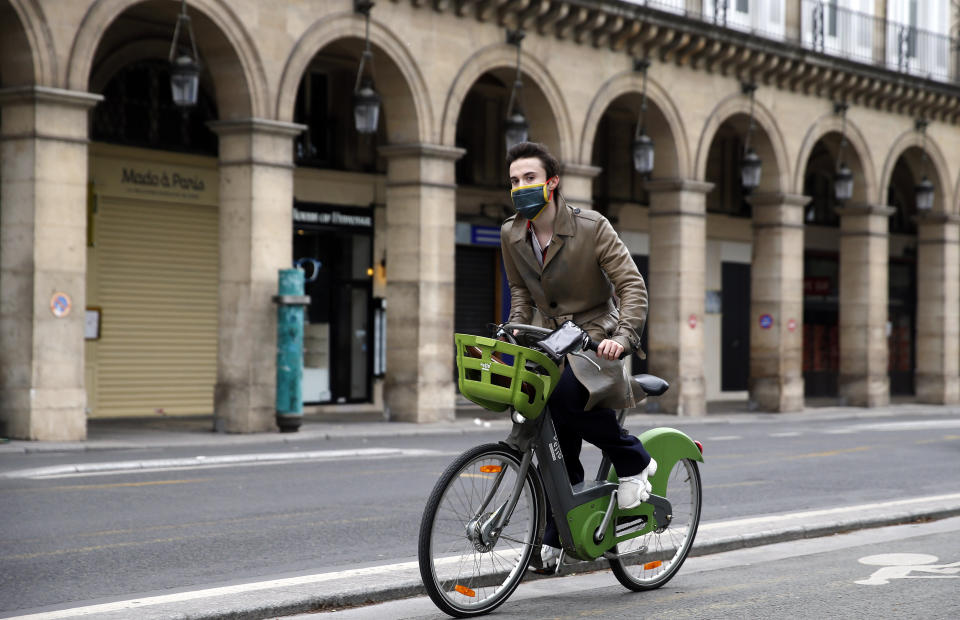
<point x="564" y="263"/>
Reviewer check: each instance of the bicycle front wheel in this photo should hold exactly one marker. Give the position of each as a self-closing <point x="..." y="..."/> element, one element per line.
<point x="467" y="567"/>
<point x="649" y="561"/>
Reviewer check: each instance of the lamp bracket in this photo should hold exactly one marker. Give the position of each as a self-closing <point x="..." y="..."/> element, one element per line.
<point x="641" y="64"/>
<point x="748" y="88"/>
<point x="921" y="125"/>
<point x="362" y="6"/>
<point x="514" y="37"/>
<point x="840" y="107"/>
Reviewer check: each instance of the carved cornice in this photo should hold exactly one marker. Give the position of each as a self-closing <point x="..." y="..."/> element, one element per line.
<point x="641" y="31"/>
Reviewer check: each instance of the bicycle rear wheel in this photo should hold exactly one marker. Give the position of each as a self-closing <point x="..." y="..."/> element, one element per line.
<point x="649" y="561"/>
<point x="467" y="570"/>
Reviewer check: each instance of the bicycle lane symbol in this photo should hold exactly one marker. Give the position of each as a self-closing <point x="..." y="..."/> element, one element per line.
<point x="901" y="565"/>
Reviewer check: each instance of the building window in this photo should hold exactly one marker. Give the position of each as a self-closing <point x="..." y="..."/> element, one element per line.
<point x="137" y="111"/>
<point x="325" y="105"/>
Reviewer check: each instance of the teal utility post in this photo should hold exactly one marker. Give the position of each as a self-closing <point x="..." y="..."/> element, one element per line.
<point x="290" y="301"/>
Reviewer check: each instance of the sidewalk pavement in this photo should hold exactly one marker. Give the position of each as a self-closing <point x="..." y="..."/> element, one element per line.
<point x="196" y="432"/>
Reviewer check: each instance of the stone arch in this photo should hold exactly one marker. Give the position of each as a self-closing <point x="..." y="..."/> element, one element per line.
<point x="632" y="82"/>
<point x="832" y="123"/>
<point x="769" y="140"/>
<point x="504" y="56"/>
<point x="26" y="45"/>
<point x="943" y="197"/>
<point x="224" y="43"/>
<point x="406" y="99"/>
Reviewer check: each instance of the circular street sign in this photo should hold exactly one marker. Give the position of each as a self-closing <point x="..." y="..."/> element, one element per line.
<point x="766" y="321"/>
<point x="60" y="305"/>
<point x="792" y="325"/>
<point x="692" y="321"/>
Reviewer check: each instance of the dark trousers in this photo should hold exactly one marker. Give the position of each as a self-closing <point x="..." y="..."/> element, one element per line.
<point x="600" y="427"/>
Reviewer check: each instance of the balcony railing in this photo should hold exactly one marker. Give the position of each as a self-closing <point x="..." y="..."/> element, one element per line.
<point x="825" y="27"/>
<point x="875" y="40"/>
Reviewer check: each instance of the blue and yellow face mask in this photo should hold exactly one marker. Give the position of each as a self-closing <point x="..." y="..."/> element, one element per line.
<point x="529" y="200"/>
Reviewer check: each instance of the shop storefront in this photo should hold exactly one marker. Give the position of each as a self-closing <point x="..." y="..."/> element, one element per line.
<point x="152" y="260"/>
<point x="343" y="329"/>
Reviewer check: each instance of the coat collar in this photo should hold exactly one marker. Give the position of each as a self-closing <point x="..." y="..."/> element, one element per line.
<point x="563" y="226"/>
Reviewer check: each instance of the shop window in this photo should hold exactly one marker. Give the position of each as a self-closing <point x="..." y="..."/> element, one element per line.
<point x="723" y="170"/>
<point x="137" y="111"/>
<point x="325" y="105"/>
<point x="612" y="152"/>
<point x="480" y="131"/>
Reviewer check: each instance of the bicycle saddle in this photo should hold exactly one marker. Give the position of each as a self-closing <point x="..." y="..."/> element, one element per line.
<point x="651" y="385"/>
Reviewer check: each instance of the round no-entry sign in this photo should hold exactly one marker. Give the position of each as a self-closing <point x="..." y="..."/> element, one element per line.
<point x="766" y="321"/>
<point x="692" y="321"/>
<point x="792" y="325"/>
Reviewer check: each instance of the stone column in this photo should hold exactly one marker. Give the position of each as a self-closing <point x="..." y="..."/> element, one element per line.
<point x="938" y="309"/>
<point x="676" y="291"/>
<point x="577" y="184"/>
<point x="43" y="262"/>
<point x="421" y="216"/>
<point x="256" y="240"/>
<point x="864" y="248"/>
<point x="776" y="297"/>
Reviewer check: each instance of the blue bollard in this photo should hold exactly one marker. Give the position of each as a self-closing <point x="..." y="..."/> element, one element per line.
<point x="290" y="301"/>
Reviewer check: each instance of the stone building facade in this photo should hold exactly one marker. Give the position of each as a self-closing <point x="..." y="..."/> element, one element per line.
<point x="124" y="295"/>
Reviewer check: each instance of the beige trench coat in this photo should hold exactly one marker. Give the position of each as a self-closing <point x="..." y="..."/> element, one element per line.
<point x="586" y="265"/>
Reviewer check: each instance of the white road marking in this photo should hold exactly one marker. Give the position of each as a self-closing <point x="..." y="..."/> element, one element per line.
<point x="725" y="438"/>
<point x="787" y="434"/>
<point x="916" y="425"/>
<point x="384" y="571"/>
<point x="198" y="462"/>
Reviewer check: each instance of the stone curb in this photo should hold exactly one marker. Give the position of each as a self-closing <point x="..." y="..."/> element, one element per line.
<point x="373" y="585"/>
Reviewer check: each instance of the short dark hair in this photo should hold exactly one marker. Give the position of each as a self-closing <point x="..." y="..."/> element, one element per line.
<point x="524" y="150"/>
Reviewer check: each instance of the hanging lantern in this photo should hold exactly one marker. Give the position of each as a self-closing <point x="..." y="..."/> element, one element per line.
<point x="366" y="108"/>
<point x="366" y="101"/>
<point x="924" y="194"/>
<point x="750" y="169"/>
<point x="516" y="127"/>
<point x="843" y="183"/>
<point x="643" y="153"/>
<point x="185" y="68"/>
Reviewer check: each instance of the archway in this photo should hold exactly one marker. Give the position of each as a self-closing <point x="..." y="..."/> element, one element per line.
<point x="750" y="306"/>
<point x="820" y="160"/>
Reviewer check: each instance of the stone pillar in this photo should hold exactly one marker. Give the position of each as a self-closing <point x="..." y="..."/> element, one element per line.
<point x="421" y="217"/>
<point x="676" y="291"/>
<point x="43" y="257"/>
<point x="577" y="184"/>
<point x="256" y="240"/>
<point x="776" y="297"/>
<point x="864" y="248"/>
<point x="938" y="309"/>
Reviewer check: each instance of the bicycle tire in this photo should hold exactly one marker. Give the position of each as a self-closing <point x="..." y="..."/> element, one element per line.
<point x="666" y="549"/>
<point x="476" y="581"/>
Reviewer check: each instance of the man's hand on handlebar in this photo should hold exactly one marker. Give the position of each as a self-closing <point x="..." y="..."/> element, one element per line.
<point x="609" y="350"/>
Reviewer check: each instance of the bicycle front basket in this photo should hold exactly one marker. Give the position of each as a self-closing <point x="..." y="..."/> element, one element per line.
<point x="495" y="384"/>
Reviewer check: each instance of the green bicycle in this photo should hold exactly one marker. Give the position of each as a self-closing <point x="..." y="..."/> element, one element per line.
<point x="487" y="512"/>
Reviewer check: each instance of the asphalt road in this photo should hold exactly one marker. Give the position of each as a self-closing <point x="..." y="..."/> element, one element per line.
<point x="906" y="571"/>
<point x="92" y="537"/>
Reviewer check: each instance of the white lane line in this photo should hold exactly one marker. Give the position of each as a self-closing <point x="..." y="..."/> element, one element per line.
<point x="724" y="438"/>
<point x="382" y="572"/>
<point x="917" y="425"/>
<point x="196" y="462"/>
<point x="786" y="434"/>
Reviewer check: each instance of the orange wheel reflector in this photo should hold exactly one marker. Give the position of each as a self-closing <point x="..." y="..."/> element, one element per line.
<point x="464" y="590"/>
<point x="491" y="469"/>
<point x="652" y="565"/>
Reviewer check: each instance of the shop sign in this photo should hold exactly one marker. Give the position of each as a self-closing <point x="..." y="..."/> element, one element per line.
<point x="332" y="216"/>
<point x="818" y="285"/>
<point x="155" y="181"/>
<point x="485" y="235"/>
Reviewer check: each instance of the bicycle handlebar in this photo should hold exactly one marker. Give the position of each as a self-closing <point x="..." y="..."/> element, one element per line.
<point x="508" y="329"/>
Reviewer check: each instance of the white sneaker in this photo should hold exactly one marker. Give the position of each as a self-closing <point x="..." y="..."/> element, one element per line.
<point x="634" y="490"/>
<point x="549" y="558"/>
